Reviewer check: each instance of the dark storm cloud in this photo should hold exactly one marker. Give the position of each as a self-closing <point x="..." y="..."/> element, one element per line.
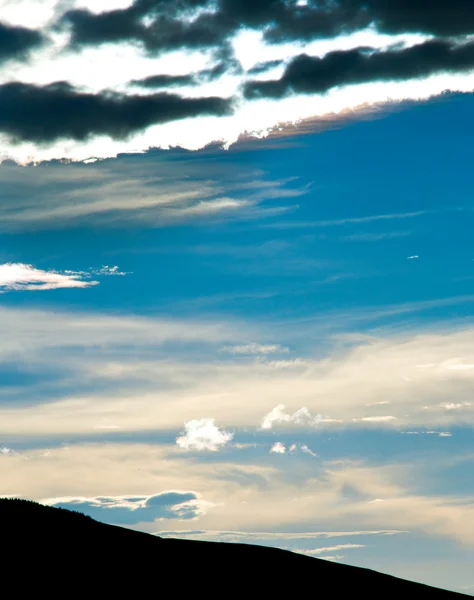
<point x="166" y="31"/>
<point x="282" y="20"/>
<point x="16" y="42"/>
<point x="324" y="18"/>
<point x="308" y="74"/>
<point x="163" y="81"/>
<point x="47" y="113"/>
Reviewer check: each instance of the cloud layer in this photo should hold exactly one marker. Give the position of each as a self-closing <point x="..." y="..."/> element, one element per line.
<point x="195" y="71"/>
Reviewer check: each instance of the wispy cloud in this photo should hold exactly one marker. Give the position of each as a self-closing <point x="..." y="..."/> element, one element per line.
<point x="20" y="276"/>
<point x="203" y="434"/>
<point x="316" y="551"/>
<point x="377" y="419"/>
<point x="300" y="417"/>
<point x="255" y="349"/>
<point x="348" y="220"/>
<point x="270" y="535"/>
<point x="280" y="448"/>
<point x="152" y="192"/>
<point x="129" y="510"/>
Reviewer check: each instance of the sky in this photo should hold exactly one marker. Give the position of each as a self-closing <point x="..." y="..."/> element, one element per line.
<point x="236" y="273"/>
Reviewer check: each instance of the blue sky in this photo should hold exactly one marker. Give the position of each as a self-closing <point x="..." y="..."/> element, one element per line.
<point x="268" y="342"/>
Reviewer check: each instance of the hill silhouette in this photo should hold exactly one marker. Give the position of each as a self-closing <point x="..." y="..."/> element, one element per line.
<point x="61" y="552"/>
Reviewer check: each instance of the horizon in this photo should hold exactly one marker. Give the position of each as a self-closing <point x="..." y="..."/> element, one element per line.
<point x="236" y="273"/>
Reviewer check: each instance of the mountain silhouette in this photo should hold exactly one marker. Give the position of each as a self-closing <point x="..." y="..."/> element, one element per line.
<point x="58" y="553"/>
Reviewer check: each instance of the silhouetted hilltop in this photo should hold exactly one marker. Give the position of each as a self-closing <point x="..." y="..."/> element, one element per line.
<point x="58" y="552"/>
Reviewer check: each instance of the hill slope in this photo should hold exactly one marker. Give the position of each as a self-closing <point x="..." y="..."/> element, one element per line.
<point x="61" y="552"/>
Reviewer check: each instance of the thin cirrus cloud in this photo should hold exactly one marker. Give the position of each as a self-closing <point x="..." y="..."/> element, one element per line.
<point x="254" y="348"/>
<point x="151" y="192"/>
<point x="152" y="385"/>
<point x="130" y="510"/>
<point x="317" y="551"/>
<point x="23" y="277"/>
<point x="258" y="67"/>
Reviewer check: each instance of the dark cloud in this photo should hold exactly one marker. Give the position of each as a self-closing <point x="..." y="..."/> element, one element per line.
<point x="282" y="20"/>
<point x="308" y="74"/>
<point x="262" y="67"/>
<point x="46" y="113"/>
<point x="165" y="31"/>
<point x="323" y="18"/>
<point x="138" y="509"/>
<point x="227" y="62"/>
<point x="16" y="42"/>
<point x="163" y="81"/>
<point x="439" y="17"/>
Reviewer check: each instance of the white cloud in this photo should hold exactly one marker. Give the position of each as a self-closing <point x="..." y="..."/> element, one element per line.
<point x="105" y="270"/>
<point x="285" y="364"/>
<point x="300" y="417"/>
<point x="304" y="448"/>
<point x="150" y="192"/>
<point x="377" y="419"/>
<point x="128" y="510"/>
<point x="412" y="257"/>
<point x="122" y="375"/>
<point x="454" y="405"/>
<point x="203" y="434"/>
<point x="438" y="433"/>
<point x="278" y="448"/>
<point x="316" y="551"/>
<point x="20" y="276"/>
<point x="255" y="536"/>
<point x="255" y="349"/>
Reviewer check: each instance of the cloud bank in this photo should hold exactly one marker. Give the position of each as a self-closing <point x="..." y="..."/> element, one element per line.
<point x="194" y="72"/>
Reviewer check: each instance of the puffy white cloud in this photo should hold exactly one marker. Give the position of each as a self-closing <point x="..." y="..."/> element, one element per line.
<point x="20" y="276"/>
<point x="203" y="434"/>
<point x="278" y="448"/>
<point x="301" y="417"/>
